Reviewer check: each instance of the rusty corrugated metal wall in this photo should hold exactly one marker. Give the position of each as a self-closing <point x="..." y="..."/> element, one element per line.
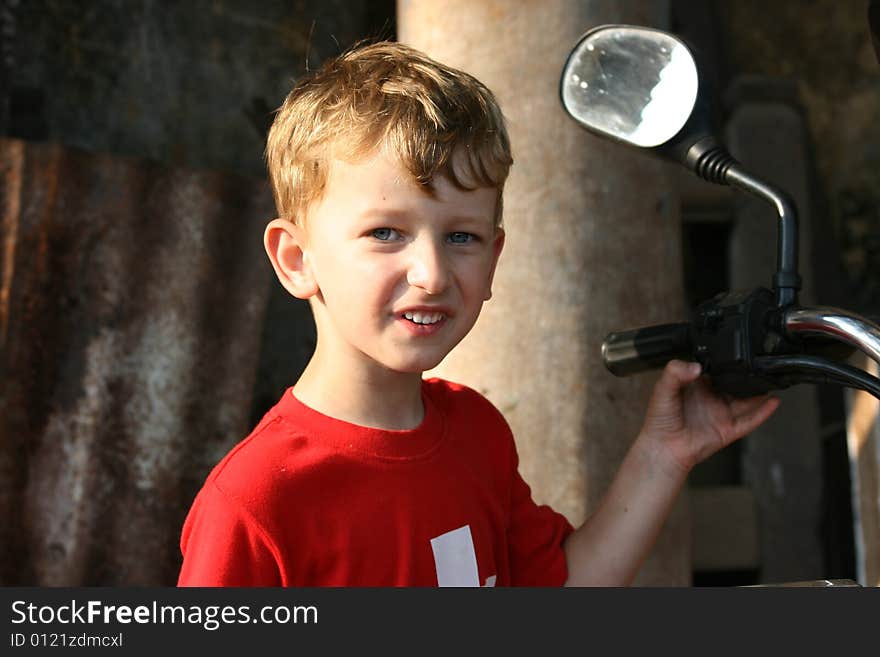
<point x="131" y="308"/>
<point x="142" y="331"/>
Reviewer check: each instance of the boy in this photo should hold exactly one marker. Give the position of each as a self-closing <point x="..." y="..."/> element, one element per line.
<point x="388" y="170"/>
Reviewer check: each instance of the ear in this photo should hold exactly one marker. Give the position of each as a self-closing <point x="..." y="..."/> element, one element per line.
<point x="497" y="247"/>
<point x="285" y="244"/>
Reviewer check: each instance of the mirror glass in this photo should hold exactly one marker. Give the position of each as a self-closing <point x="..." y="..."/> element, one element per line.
<point x="634" y="84"/>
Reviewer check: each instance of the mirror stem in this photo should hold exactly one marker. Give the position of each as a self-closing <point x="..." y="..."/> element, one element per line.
<point x="786" y="281"/>
<point x="712" y="162"/>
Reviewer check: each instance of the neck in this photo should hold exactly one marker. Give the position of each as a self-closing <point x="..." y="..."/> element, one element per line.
<point x="370" y="396"/>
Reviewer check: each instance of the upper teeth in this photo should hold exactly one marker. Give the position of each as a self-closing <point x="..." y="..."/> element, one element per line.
<point x="423" y="318"/>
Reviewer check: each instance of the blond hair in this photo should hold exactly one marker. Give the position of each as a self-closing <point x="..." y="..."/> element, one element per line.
<point x="389" y="95"/>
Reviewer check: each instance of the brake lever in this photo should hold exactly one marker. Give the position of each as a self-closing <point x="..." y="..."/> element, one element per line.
<point x="813" y="369"/>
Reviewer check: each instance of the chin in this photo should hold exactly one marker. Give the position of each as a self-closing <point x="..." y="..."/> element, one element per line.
<point x="416" y="367"/>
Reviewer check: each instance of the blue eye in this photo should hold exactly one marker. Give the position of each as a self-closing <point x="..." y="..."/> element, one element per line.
<point x="385" y="234"/>
<point x="462" y="238"/>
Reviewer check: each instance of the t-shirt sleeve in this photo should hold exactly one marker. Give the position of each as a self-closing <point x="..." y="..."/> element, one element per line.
<point x="536" y="535"/>
<point x="223" y="546"/>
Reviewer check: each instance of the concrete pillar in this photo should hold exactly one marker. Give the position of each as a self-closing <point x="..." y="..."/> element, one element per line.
<point x="782" y="460"/>
<point x="593" y="245"/>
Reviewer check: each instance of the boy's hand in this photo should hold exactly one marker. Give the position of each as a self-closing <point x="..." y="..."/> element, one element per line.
<point x="688" y="421"/>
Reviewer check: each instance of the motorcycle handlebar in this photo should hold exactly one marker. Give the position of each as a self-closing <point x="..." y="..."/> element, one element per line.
<point x="638" y="350"/>
<point x="743" y="372"/>
<point x="835" y="323"/>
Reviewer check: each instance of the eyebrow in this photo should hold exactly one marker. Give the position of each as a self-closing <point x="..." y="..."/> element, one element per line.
<point x="397" y="213"/>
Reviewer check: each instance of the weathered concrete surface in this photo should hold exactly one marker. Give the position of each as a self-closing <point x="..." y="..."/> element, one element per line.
<point x="782" y="460"/>
<point x="593" y="245"/>
<point x="130" y="303"/>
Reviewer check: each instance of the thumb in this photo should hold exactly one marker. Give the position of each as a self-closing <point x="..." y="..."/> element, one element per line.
<point x="666" y="399"/>
<point x="676" y="375"/>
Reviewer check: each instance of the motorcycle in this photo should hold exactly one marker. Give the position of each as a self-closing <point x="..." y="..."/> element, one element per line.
<point x="642" y="87"/>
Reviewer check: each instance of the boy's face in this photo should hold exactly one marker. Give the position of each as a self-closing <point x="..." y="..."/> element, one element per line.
<point x="400" y="276"/>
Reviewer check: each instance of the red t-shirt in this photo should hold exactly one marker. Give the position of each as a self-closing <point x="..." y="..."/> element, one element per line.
<point x="308" y="500"/>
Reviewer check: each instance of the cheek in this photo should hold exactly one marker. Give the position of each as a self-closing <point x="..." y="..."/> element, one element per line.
<point x="359" y="279"/>
<point x="334" y="263"/>
<point x="375" y="273"/>
<point x="475" y="275"/>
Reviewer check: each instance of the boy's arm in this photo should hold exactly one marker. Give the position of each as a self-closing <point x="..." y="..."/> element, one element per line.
<point x="685" y="423"/>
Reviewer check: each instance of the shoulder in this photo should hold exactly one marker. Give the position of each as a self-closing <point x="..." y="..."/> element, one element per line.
<point x="262" y="465"/>
<point x="451" y="396"/>
<point x="462" y="405"/>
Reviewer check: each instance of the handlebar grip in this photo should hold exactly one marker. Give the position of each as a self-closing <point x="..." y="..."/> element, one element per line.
<point x="651" y="347"/>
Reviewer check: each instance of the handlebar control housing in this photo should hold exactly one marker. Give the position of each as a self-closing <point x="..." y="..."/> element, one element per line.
<point x="726" y="335"/>
<point x="730" y="331"/>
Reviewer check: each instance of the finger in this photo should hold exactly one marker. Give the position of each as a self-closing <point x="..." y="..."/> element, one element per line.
<point x="678" y="374"/>
<point x="750" y="420"/>
<point x="747" y="405"/>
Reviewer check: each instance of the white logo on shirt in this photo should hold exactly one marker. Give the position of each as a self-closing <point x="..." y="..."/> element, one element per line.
<point x="456" y="560"/>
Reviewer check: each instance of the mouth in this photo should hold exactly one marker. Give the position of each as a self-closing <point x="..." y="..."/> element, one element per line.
<point x="423" y="318"/>
<point x="422" y="322"/>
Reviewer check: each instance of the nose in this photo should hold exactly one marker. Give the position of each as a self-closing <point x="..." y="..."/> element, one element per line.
<point x="428" y="269"/>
